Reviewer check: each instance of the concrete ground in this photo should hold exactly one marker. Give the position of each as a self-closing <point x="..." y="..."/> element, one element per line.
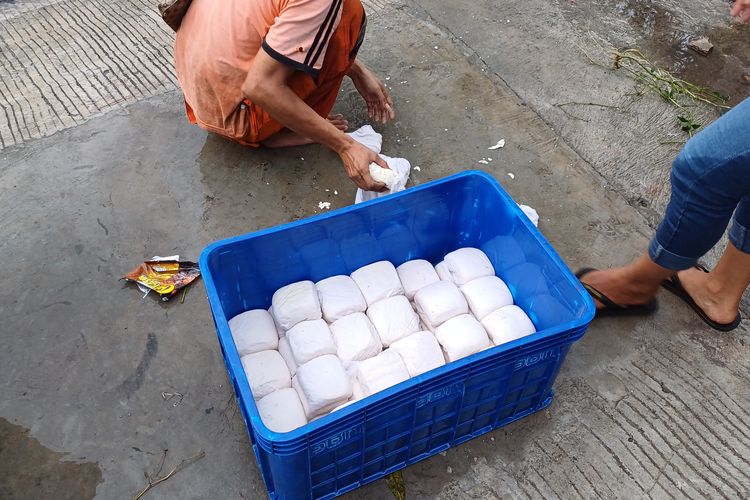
<point x="99" y="169"/>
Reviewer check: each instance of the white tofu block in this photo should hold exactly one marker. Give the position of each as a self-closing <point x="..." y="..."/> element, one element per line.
<point x="343" y="405"/>
<point x="420" y="352"/>
<point x="294" y="303"/>
<point x="286" y="353"/>
<point x="486" y="294"/>
<point x="507" y="324"/>
<point x="461" y="336"/>
<point x="357" y="391"/>
<point x="466" y="264"/>
<point x="378" y="281"/>
<point x="279" y="331"/>
<point x="253" y="331"/>
<point x="266" y="372"/>
<point x="416" y="274"/>
<point x="355" y="337"/>
<point x="394" y="319"/>
<point x="322" y="385"/>
<point x="439" y="302"/>
<point x="441" y="269"/>
<point x="381" y="372"/>
<point x="310" y="339"/>
<point x="282" y="411"/>
<point x="339" y="296"/>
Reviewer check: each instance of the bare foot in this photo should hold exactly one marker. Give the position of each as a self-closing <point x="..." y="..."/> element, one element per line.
<point x="339" y="122"/>
<point x="287" y="138"/>
<point x="618" y="285"/>
<point x="708" y="295"/>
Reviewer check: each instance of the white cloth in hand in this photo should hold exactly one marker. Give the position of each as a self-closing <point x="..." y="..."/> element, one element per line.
<point x="266" y="372"/>
<point x="439" y="302"/>
<point x="367" y="136"/>
<point x="394" y="177"/>
<point x="416" y="274"/>
<point x="394" y="319"/>
<point x="378" y="281"/>
<point x="322" y="385"/>
<point x="282" y="411"/>
<point x="466" y="264"/>
<point x="486" y="294"/>
<point x="339" y="296"/>
<point x="294" y="303"/>
<point x="355" y="337"/>
<point x="381" y="372"/>
<point x="461" y="336"/>
<point x="420" y="352"/>
<point x="507" y="324"/>
<point x="310" y="339"/>
<point x="253" y="331"/>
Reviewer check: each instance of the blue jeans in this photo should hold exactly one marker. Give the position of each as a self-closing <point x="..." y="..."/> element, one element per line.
<point x="710" y="181"/>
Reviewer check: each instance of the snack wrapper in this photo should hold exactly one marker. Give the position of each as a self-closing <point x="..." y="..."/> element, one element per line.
<point x="164" y="275"/>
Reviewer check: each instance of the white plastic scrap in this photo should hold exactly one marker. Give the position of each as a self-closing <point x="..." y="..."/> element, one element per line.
<point x="324" y="205"/>
<point x="531" y="214"/>
<point x="500" y="144"/>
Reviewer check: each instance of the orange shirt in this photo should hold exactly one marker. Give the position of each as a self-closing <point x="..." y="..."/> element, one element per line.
<point x="218" y="40"/>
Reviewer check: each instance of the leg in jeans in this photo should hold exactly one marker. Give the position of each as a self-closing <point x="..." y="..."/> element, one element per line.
<point x="710" y="179"/>
<point x="719" y="292"/>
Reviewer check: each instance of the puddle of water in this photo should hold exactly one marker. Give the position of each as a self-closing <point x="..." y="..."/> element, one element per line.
<point x="664" y="42"/>
<point x="29" y="470"/>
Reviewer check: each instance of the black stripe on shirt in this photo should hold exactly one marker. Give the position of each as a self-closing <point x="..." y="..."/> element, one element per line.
<point x="326" y="37"/>
<point x="331" y="12"/>
<point x="290" y="62"/>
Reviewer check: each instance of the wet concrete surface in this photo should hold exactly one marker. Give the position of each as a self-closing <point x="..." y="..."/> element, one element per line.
<point x="541" y="50"/>
<point x="644" y="407"/>
<point x="26" y="466"/>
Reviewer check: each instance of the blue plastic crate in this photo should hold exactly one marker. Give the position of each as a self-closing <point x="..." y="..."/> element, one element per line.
<point x="434" y="411"/>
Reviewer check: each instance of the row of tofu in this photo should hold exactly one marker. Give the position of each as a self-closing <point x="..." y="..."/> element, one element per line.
<point x="322" y="346"/>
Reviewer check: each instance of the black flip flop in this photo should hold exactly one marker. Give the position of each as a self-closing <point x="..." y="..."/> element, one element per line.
<point x="674" y="285"/>
<point x="612" y="308"/>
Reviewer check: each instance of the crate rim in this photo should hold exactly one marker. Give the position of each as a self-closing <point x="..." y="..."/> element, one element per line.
<point x="233" y="358"/>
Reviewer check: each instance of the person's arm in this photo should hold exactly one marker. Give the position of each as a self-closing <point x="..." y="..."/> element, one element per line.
<point x="372" y="90"/>
<point x="266" y="85"/>
<point x="741" y="9"/>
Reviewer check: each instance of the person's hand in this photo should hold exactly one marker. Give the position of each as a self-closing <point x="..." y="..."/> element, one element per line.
<point x="741" y="9"/>
<point x="372" y="90"/>
<point x="357" y="159"/>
